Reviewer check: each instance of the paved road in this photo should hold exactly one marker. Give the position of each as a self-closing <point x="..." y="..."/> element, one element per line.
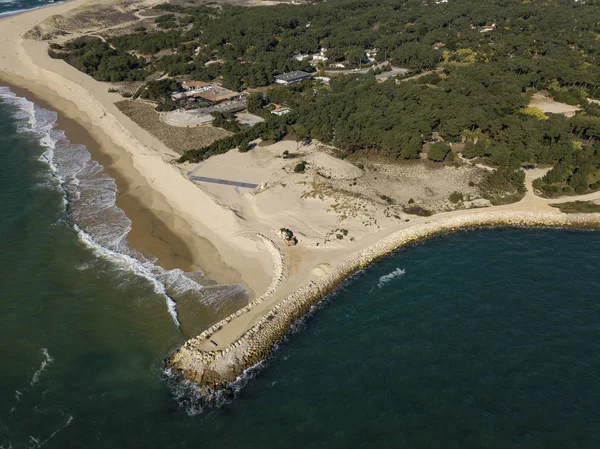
<point x="246" y="185"/>
<point x="395" y="70"/>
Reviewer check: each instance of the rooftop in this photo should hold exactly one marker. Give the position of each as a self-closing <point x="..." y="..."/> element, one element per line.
<point x="279" y="108"/>
<point x="186" y="84"/>
<point x="292" y="76"/>
<point x="217" y="94"/>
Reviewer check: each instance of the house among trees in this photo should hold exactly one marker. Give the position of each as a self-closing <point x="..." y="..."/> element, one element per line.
<point x="314" y="58"/>
<point x="292" y="77"/>
<point x="488" y="28"/>
<point x="218" y="95"/>
<point x="280" y="110"/>
<point x="438" y="46"/>
<point x="211" y="93"/>
<point x="371" y="54"/>
<point x="302" y="56"/>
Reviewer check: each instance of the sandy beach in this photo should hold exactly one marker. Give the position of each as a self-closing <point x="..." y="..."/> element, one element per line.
<point x="229" y="233"/>
<point x="182" y="230"/>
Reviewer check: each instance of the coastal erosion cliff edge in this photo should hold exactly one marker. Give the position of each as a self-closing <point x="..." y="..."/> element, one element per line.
<point x="215" y="369"/>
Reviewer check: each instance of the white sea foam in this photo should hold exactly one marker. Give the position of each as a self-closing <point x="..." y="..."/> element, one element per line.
<point x="45" y="363"/>
<point x="18" y="395"/>
<point x="89" y="196"/>
<point x="129" y="263"/>
<point x="39" y="444"/>
<point x="390" y="277"/>
<point x="195" y="399"/>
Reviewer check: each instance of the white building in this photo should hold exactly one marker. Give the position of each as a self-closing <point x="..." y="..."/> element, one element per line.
<point x="196" y="86"/>
<point x="280" y="110"/>
<point x="292" y="77"/>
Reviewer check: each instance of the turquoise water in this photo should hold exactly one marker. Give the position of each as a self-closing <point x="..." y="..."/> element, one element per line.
<point x="478" y="339"/>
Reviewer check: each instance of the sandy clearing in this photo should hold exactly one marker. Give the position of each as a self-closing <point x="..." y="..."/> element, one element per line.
<point x="547" y="104"/>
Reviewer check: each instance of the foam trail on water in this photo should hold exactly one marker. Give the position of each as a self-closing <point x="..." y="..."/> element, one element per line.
<point x="390" y="277"/>
<point x="47" y="361"/>
<point x="53" y="434"/>
<point x="18" y="395"/>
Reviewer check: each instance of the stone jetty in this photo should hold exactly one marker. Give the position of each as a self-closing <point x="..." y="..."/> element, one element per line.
<point x="215" y="369"/>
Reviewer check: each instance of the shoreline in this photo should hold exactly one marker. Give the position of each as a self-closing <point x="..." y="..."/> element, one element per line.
<point x="228" y="232"/>
<point x="149" y="234"/>
<point x="165" y="225"/>
<point x="216" y="370"/>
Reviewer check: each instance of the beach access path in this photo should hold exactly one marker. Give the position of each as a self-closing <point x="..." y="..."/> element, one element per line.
<point x="225" y="182"/>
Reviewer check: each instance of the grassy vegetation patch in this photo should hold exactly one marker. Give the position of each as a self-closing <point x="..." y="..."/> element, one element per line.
<point x="578" y="207"/>
<point x="418" y="210"/>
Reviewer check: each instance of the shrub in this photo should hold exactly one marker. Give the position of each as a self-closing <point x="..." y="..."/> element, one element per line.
<point x="387" y="199"/>
<point x="300" y="167"/>
<point x="456" y="197"/>
<point x="244" y="146"/>
<point x="565" y="97"/>
<point x="159" y="90"/>
<point x="417" y="210"/>
<point x="166" y="105"/>
<point x="503" y="185"/>
<point x="535" y="112"/>
<point x="439" y="151"/>
<point x="472" y="150"/>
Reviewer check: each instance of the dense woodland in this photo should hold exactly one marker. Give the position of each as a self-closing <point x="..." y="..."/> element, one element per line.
<point x="477" y="97"/>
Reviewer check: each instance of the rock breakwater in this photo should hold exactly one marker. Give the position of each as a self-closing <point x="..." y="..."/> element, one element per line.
<point x="215" y="369"/>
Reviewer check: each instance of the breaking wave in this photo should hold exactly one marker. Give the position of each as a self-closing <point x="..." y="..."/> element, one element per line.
<point x="195" y="399"/>
<point x="89" y="202"/>
<point x="383" y="280"/>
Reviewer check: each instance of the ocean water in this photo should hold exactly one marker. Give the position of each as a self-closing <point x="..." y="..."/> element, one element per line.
<point x="472" y="340"/>
<point x="9" y="7"/>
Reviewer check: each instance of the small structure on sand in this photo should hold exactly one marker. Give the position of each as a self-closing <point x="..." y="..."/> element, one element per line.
<point x="287" y="235"/>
